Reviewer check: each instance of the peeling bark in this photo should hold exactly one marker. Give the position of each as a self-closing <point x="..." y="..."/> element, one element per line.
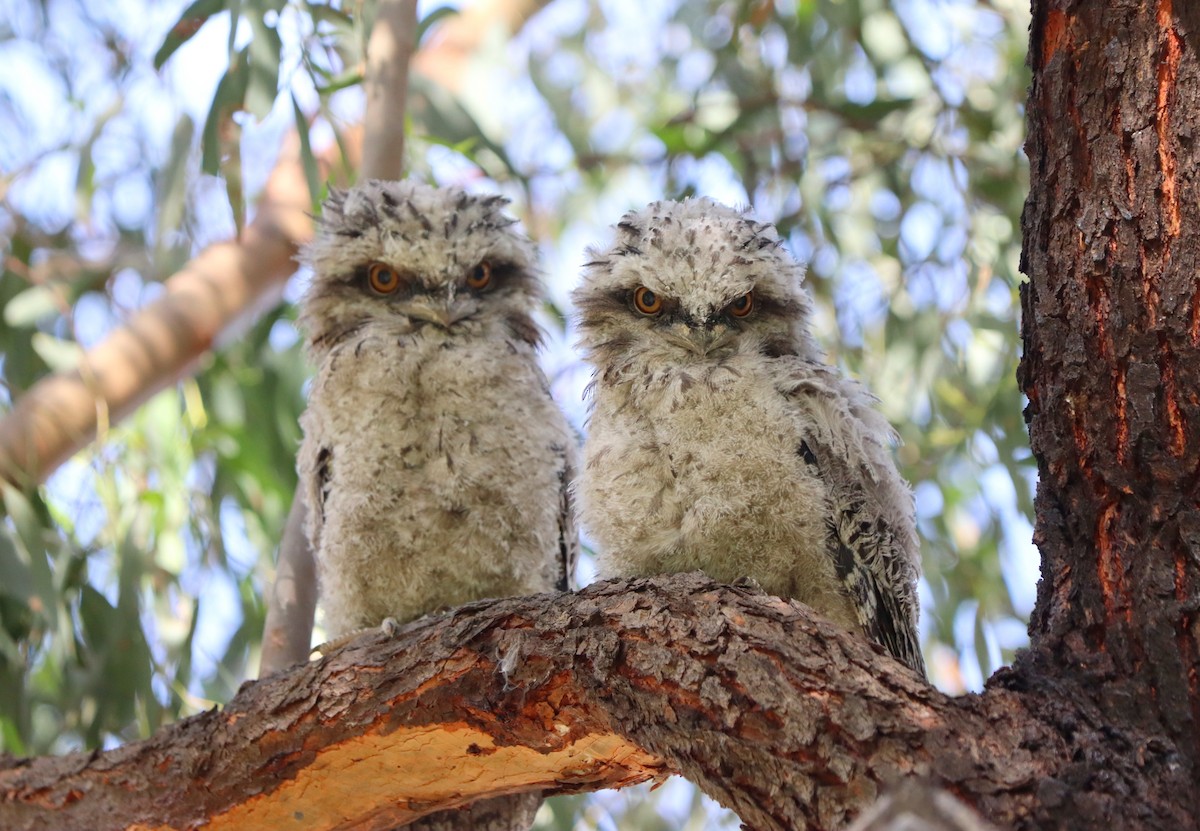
<point x="786" y="719"/>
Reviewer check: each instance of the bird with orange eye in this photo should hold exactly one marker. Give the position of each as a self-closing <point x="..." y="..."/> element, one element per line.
<point x="435" y="466"/>
<point x="719" y="439"/>
<point x="444" y="306"/>
<point x="384" y="279"/>
<point x="480" y="278"/>
<point x="651" y="304"/>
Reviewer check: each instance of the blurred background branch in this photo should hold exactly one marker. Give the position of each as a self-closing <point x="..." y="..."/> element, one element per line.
<point x="59" y="415"/>
<point x="391" y="45"/>
<point x="161" y="342"/>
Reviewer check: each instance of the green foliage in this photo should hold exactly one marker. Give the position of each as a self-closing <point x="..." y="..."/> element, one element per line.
<point x="883" y="137"/>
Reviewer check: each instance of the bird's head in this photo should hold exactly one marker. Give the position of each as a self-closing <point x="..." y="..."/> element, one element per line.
<point x="405" y="255"/>
<point x="692" y="281"/>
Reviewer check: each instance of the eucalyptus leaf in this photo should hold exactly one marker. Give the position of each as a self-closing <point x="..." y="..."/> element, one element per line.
<point x="307" y="160"/>
<point x="190" y="21"/>
<point x="432" y="19"/>
<point x="16" y="576"/>
<point x="264" y="56"/>
<point x="60" y="355"/>
<point x="171" y="181"/>
<point x="31" y="551"/>
<point x="229" y="97"/>
<point x="34" y="304"/>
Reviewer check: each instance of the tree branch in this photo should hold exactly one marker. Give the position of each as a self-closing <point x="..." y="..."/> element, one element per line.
<point x="292" y="598"/>
<point x="224" y="286"/>
<point x="219" y="288"/>
<point x="393" y="40"/>
<point x="786" y="719"/>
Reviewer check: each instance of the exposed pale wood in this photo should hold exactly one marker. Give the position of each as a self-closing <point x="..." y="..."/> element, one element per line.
<point x="361" y="777"/>
<point x="780" y="716"/>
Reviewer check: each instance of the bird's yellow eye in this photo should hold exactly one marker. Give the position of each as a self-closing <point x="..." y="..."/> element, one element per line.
<point x="743" y="305"/>
<point x="481" y="277"/>
<point x="382" y="278"/>
<point x="646" y="301"/>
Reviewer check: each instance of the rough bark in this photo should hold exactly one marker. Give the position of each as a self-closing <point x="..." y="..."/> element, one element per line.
<point x="1111" y="363"/>
<point x="787" y="719"/>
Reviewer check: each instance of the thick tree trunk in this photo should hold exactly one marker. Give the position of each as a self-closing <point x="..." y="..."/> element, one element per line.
<point x="1112" y="359"/>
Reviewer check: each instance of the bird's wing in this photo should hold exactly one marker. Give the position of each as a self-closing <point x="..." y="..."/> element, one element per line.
<point x="568" y="534"/>
<point x="565" y="449"/>
<point x="317" y="491"/>
<point x="871" y="536"/>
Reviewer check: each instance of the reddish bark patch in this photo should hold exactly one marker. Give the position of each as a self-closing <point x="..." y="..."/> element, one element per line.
<point x="1168" y="75"/>
<point x="1054" y="34"/>
<point x="1175" y="418"/>
<point x="1111" y="567"/>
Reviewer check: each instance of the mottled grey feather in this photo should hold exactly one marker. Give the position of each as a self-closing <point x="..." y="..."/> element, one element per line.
<point x="723" y="442"/>
<point x="433" y="454"/>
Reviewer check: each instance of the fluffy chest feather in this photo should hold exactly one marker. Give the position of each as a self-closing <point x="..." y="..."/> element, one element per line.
<point x="413" y="451"/>
<point x="699" y="467"/>
<point x="418" y="408"/>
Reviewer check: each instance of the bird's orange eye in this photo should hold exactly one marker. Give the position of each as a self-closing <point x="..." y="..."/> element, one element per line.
<point x="646" y="301"/>
<point x="382" y="278"/>
<point x="743" y="305"/>
<point x="481" y="277"/>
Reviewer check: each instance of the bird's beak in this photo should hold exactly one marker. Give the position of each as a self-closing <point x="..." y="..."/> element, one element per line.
<point x="710" y="340"/>
<point x="445" y="313"/>
<point x="702" y="339"/>
<point x="707" y="340"/>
